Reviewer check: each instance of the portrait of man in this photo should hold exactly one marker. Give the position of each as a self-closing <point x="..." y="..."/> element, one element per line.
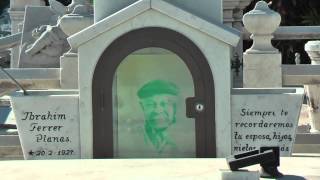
<point x="158" y="100"/>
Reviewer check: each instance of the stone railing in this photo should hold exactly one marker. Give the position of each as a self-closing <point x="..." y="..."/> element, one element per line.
<point x="292" y="33"/>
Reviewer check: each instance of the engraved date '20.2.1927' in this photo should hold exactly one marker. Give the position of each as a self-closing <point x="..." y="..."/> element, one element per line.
<point x="68" y="152"/>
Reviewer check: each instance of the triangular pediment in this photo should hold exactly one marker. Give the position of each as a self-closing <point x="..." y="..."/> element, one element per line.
<point x="218" y="31"/>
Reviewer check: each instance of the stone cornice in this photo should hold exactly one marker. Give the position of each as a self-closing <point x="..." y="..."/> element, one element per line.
<point x="16" y="15"/>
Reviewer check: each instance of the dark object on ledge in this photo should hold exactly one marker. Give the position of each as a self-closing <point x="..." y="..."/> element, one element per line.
<point x="8" y="126"/>
<point x="267" y="157"/>
<point x="236" y="64"/>
<point x="270" y="169"/>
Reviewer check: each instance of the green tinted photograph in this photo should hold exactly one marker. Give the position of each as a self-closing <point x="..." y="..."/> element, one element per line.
<point x="150" y="89"/>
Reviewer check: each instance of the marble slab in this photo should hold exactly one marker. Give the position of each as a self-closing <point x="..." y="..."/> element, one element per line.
<point x="48" y="124"/>
<point x="293" y="168"/>
<point x="265" y="117"/>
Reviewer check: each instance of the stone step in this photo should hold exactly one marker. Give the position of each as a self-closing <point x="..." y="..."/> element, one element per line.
<point x="11" y="153"/>
<point x="306" y="148"/>
<point x="307" y="143"/>
<point x="10" y="148"/>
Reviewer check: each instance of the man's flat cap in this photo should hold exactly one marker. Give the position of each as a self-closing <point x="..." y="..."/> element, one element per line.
<point x="156" y="87"/>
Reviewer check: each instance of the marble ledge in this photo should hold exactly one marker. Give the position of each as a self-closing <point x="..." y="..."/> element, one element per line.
<point x="293" y="167"/>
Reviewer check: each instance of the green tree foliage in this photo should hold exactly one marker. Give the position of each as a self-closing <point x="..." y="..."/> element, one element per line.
<point x="312" y="17"/>
<point x="4" y="4"/>
<point x="294" y="12"/>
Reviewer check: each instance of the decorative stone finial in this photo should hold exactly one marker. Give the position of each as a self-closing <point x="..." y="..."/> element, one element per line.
<point x="313" y="50"/>
<point x="262" y="22"/>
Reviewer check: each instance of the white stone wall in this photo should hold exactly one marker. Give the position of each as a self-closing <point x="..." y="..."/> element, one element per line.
<point x="216" y="52"/>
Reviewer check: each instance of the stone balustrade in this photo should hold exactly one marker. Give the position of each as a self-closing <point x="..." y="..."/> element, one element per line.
<point x="291" y="33"/>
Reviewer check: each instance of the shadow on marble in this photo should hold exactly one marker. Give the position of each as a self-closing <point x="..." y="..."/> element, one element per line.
<point x="291" y="177"/>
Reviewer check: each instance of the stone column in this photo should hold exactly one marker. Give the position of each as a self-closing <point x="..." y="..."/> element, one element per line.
<point x="232" y="16"/>
<point x="228" y="8"/>
<point x="69" y="71"/>
<point x="313" y="91"/>
<point x="16" y="11"/>
<point x="238" y="14"/>
<point x="262" y="62"/>
<point x="16" y="17"/>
